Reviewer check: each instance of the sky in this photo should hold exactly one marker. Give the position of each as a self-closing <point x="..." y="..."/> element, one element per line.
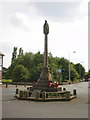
<point x="21" y="25"/>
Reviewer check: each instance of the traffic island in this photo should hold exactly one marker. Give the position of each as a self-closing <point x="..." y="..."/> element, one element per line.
<point x="38" y="95"/>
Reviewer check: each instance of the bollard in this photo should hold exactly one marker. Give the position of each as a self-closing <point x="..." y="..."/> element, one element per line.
<point x="17" y="91"/>
<point x="43" y="95"/>
<point x="69" y="83"/>
<point x="6" y="85"/>
<point x="64" y="89"/>
<point x="28" y="88"/>
<point x="74" y="92"/>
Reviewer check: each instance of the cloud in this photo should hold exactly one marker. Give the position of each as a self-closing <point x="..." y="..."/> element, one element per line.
<point x="5" y="46"/>
<point x="58" y="11"/>
<point x="61" y="11"/>
<point x="20" y="20"/>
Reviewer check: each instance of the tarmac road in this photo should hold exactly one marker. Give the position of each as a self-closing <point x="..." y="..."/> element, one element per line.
<point x="76" y="108"/>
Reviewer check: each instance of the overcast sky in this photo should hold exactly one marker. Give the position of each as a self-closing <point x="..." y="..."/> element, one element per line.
<point x="21" y="25"/>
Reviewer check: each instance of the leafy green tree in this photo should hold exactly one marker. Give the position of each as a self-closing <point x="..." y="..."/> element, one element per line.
<point x="74" y="73"/>
<point x="4" y="70"/>
<point x="20" y="52"/>
<point x="53" y="67"/>
<point x="63" y="65"/>
<point x="14" y="54"/>
<point x="7" y="73"/>
<point x="20" y="73"/>
<point x="88" y="73"/>
<point x="80" y="69"/>
<point x="38" y="58"/>
<point x="35" y="72"/>
<point x="28" y="60"/>
<point x="35" y="69"/>
<point x="33" y="63"/>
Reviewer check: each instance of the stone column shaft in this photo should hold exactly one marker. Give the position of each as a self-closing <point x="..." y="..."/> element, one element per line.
<point x="46" y="51"/>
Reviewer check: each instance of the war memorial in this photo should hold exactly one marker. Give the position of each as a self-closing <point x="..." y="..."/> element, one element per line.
<point x="45" y="89"/>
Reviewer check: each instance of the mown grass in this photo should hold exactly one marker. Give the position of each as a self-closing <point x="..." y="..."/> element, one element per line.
<point x="6" y="80"/>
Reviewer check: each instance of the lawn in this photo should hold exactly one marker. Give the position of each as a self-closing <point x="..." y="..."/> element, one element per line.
<point x="6" y="80"/>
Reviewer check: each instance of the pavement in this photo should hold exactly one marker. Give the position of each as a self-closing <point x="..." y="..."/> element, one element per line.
<point x="76" y="108"/>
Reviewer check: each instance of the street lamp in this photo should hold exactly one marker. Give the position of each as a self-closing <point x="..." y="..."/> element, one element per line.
<point x="1" y="65"/>
<point x="69" y="67"/>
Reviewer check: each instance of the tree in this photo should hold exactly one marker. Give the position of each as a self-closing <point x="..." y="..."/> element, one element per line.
<point x="74" y="73"/>
<point x="53" y="67"/>
<point x="88" y="73"/>
<point x="14" y="54"/>
<point x="20" y="52"/>
<point x="63" y="65"/>
<point x="7" y="73"/>
<point x="28" y="60"/>
<point x="34" y="63"/>
<point x="80" y="69"/>
<point x="35" y="69"/>
<point x="35" y="72"/>
<point x="4" y="70"/>
<point x="20" y="73"/>
<point x="37" y="59"/>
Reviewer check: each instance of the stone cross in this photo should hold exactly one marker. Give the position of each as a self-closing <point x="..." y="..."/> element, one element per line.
<point x="45" y="76"/>
<point x="46" y="31"/>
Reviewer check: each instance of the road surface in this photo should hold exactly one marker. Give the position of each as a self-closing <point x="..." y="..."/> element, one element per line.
<point x="76" y="108"/>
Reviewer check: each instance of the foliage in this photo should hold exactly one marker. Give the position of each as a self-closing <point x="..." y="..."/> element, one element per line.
<point x="28" y="66"/>
<point x="88" y="73"/>
<point x="6" y="74"/>
<point x="14" y="54"/>
<point x="20" y="73"/>
<point x="20" y="52"/>
<point x="4" y="70"/>
<point x="80" y="69"/>
<point x="74" y="73"/>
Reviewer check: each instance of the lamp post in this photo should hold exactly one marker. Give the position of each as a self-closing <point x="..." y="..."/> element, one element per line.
<point x="1" y="66"/>
<point x="69" y="67"/>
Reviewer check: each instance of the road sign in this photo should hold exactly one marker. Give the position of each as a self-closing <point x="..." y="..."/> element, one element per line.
<point x="59" y="70"/>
